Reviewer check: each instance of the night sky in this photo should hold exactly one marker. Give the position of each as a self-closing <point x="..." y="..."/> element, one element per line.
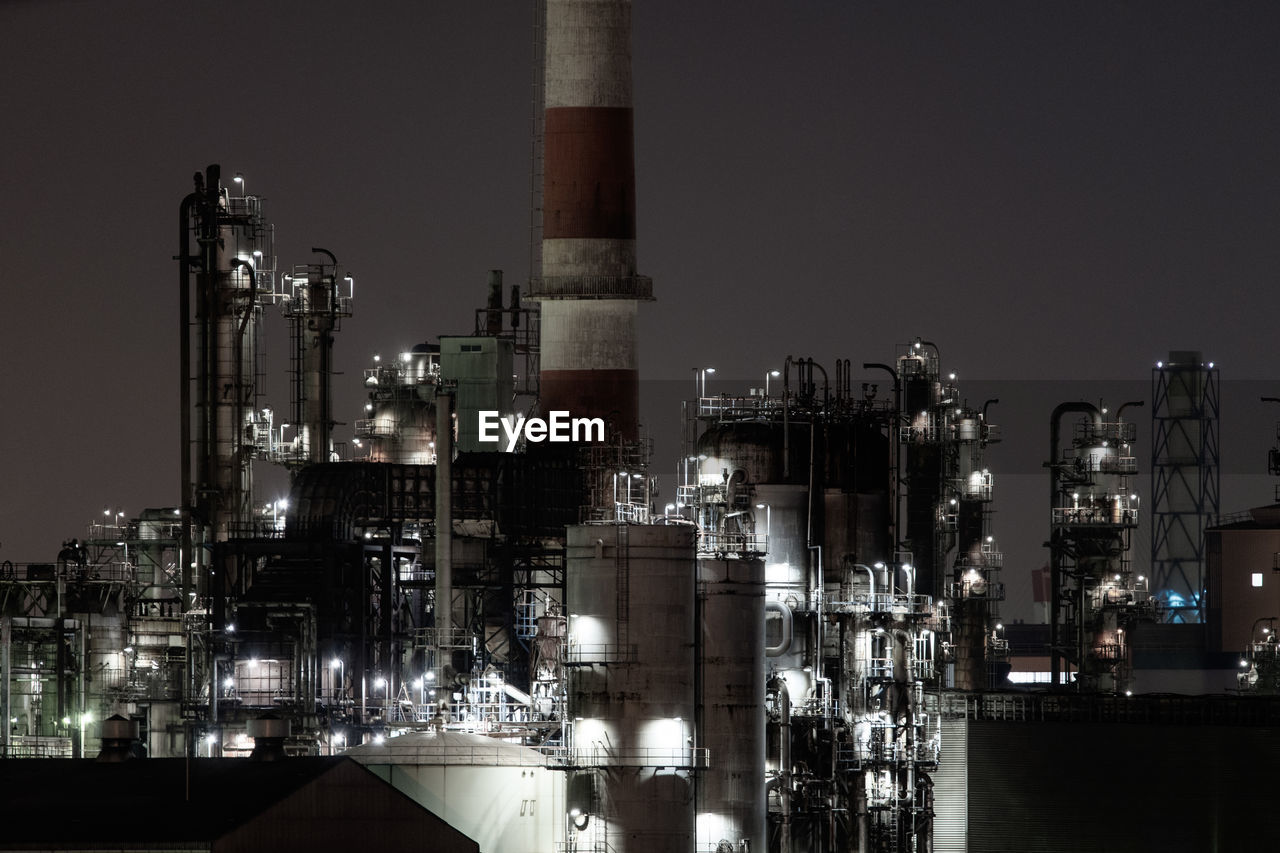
<point x="1051" y="191"/>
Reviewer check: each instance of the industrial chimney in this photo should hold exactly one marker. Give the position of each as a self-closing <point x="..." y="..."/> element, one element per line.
<point x="589" y="288"/>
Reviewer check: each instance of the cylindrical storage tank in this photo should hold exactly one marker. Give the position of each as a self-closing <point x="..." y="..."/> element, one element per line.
<point x="731" y="798"/>
<point x="499" y="794"/>
<point x="630" y="595"/>
<point x="406" y="429"/>
<point x="755" y="447"/>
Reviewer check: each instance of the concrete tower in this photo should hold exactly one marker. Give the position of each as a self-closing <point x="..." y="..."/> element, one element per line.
<point x="589" y="288"/>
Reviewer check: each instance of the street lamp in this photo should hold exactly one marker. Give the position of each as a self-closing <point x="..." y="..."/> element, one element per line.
<point x="1253" y="632"/>
<point x="775" y="374"/>
<point x="911" y="578"/>
<point x="768" y="518"/>
<point x="700" y="380"/>
<point x="338" y="686"/>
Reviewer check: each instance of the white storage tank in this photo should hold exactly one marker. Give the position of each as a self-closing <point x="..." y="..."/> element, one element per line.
<point x="499" y="794"/>
<point x="630" y="594"/>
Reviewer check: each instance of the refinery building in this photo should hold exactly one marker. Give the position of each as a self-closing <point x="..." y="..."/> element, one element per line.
<point x="478" y="591"/>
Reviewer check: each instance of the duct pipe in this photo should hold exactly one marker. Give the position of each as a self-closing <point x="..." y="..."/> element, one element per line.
<point x="517" y="694"/>
<point x="1055" y="560"/>
<point x="1137" y="404"/>
<point x="788" y="628"/>
<point x="871" y="575"/>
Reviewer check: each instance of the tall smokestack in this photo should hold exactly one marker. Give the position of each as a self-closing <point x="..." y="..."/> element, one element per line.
<point x="589" y="288"/>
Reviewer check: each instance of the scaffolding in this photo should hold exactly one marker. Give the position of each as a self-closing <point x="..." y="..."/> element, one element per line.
<point x="1185" y="480"/>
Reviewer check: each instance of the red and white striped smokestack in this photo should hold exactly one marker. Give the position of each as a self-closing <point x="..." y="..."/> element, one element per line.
<point x="589" y="287"/>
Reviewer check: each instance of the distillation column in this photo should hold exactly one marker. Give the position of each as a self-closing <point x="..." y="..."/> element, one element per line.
<point x="925" y="403"/>
<point x="979" y="650"/>
<point x="317" y="301"/>
<point x="589" y="287"/>
<point x="1096" y="595"/>
<point x="231" y="279"/>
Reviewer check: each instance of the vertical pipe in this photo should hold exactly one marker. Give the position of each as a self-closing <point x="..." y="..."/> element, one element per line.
<point x="444" y="520"/>
<point x="784" y="765"/>
<point x="6" y="697"/>
<point x="786" y="419"/>
<point x="184" y="385"/>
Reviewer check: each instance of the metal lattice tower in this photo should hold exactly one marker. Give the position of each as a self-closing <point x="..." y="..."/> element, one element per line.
<point x="1185" y="480"/>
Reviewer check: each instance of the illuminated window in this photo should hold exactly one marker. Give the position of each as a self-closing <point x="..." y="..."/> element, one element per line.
<point x="1257" y="578"/>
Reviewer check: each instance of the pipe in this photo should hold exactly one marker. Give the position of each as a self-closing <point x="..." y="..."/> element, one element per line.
<point x="788" y="628"/>
<point x="910" y="571"/>
<point x="444" y="521"/>
<point x="1055" y="560"/>
<point x="517" y="694"/>
<point x="786" y="419"/>
<point x="818" y="587"/>
<point x="871" y="575"/>
<point x="205" y="495"/>
<point x="808" y="530"/>
<point x="826" y="383"/>
<point x="1137" y="404"/>
<point x="893" y="447"/>
<point x="244" y="323"/>
<point x="184" y="380"/>
<point x="784" y="763"/>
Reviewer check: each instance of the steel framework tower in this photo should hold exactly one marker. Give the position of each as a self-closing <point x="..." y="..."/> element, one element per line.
<point x="1185" y="480"/>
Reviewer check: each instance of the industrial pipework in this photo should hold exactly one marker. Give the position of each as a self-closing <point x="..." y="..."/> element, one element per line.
<point x="1096" y="598"/>
<point x="801" y="483"/>
<point x="230" y="270"/>
<point x="317" y="300"/>
<point x="949" y="490"/>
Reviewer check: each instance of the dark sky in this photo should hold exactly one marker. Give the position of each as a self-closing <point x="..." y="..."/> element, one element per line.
<point x="1050" y="191"/>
